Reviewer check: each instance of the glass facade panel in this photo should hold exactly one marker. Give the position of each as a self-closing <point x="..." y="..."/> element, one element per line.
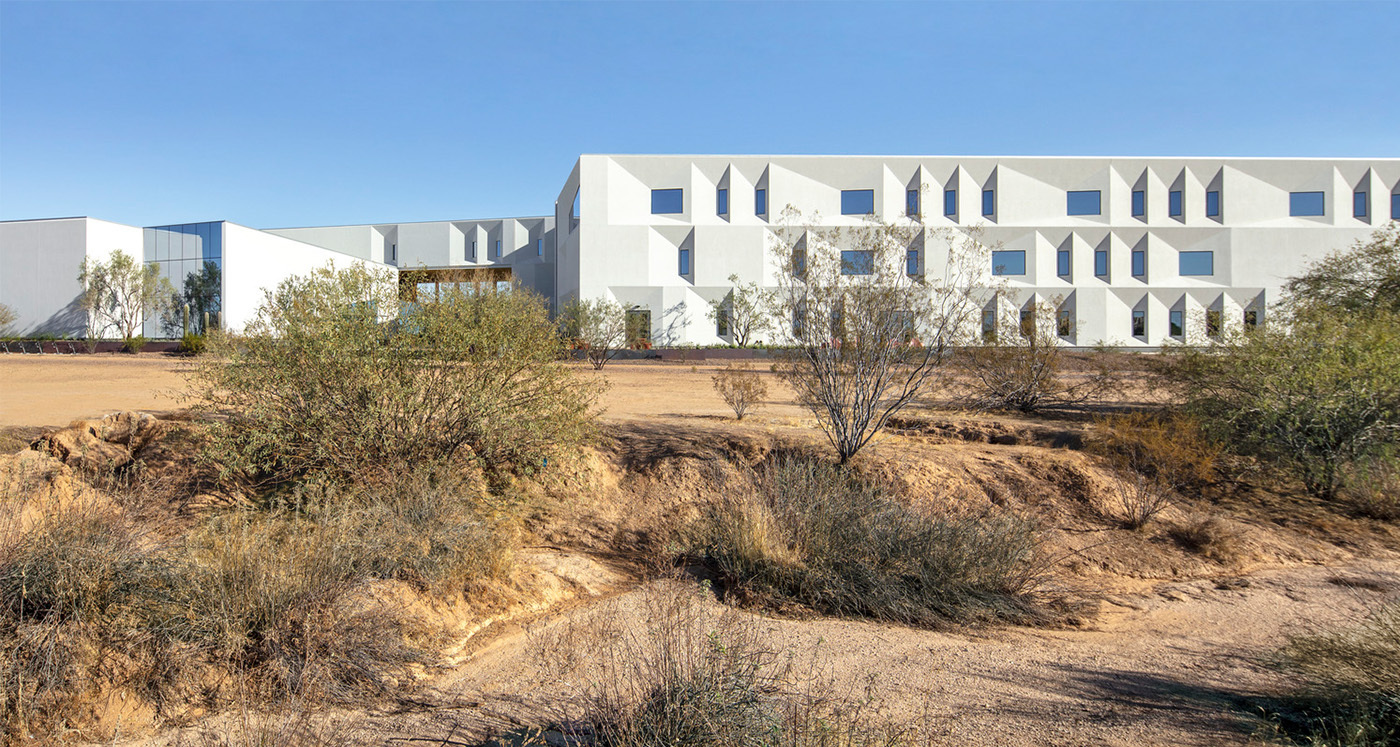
<point x="1009" y="263"/>
<point x="857" y="201"/>
<point x="1307" y="203"/>
<point x="667" y="201"/>
<point x="1197" y="263"/>
<point x="1139" y="204"/>
<point x="190" y="256"/>
<point x="1089" y="202"/>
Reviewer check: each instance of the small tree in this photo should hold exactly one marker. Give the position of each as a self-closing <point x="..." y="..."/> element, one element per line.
<point x="7" y="317"/>
<point x="743" y="313"/>
<point x="866" y="337"/>
<point x="740" y="387"/>
<point x="1021" y="365"/>
<point x="1361" y="279"/>
<point x="597" y="325"/>
<point x="122" y="293"/>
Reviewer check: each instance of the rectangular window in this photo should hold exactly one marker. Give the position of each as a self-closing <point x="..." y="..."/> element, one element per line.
<point x="857" y="262"/>
<point x="498" y="249"/>
<point x="989" y="324"/>
<point x="799" y="263"/>
<point x="722" y="321"/>
<point x="857" y="202"/>
<point x="1139" y="323"/>
<point x="1009" y="262"/>
<point x="1084" y="203"/>
<point x="950" y="202"/>
<point x="1212" y="204"/>
<point x="1175" y="207"/>
<point x="1359" y="205"/>
<point x="1197" y="263"/>
<point x="799" y="320"/>
<point x="1251" y="319"/>
<point x="1139" y="204"/>
<point x="1213" y="324"/>
<point x="1175" y="326"/>
<point x="393" y="252"/>
<point x="1395" y="206"/>
<point x="760" y="202"/>
<point x="911" y="262"/>
<point x="1307" y="203"/>
<point x="1062" y="263"/>
<point x="722" y="202"/>
<point x="683" y="262"/>
<point x="539" y="247"/>
<point x="989" y="202"/>
<point x="911" y="203"/>
<point x="638" y="327"/>
<point x="427" y="292"/>
<point x="1139" y="263"/>
<point x="473" y="257"/>
<point x="1101" y="263"/>
<point x="1064" y="323"/>
<point x="573" y="211"/>
<point x="667" y="201"/>
<point x="1027" y="323"/>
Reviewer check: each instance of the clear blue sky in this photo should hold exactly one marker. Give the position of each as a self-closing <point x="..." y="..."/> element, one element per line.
<point x="280" y="114"/>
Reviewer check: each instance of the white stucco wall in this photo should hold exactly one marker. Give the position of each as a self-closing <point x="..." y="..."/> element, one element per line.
<point x="39" y="265"/>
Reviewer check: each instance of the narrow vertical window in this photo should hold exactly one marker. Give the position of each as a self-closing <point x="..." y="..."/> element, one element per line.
<point x="911" y="203"/>
<point x="1176" y="328"/>
<point x="1213" y="324"/>
<point x="1139" y="263"/>
<point x="1139" y="204"/>
<point x="950" y="202"/>
<point x="1251" y="319"/>
<point x="1064" y="323"/>
<point x="473" y="257"/>
<point x="722" y="202"/>
<point x="1027" y="323"/>
<point x="1359" y="205"/>
<point x="498" y="249"/>
<point x="989" y="324"/>
<point x="760" y="202"/>
<point x="722" y="321"/>
<point x="911" y="262"/>
<point x="1062" y="263"/>
<point x="539" y="247"/>
<point x="393" y="252"/>
<point x="1395" y="206"/>
<point x="1139" y="323"/>
<point x="1101" y="263"/>
<point x="573" y="211"/>
<point x="683" y="262"/>
<point x="1174" y="203"/>
<point x="1213" y="204"/>
<point x="988" y="202"/>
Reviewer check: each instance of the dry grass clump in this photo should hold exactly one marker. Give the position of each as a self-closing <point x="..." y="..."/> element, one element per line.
<point x="1153" y="459"/>
<point x="740" y="387"/>
<point x="1210" y="537"/>
<point x="810" y="533"/>
<point x="1351" y="696"/>
<point x="1374" y="487"/>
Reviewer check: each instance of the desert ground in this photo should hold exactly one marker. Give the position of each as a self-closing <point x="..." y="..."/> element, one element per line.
<point x="1171" y="647"/>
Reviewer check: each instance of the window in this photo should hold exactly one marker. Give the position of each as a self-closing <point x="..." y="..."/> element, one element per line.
<point x="1213" y="204"/>
<point x="950" y="202"/>
<point x="1139" y="263"/>
<point x="1174" y="204"/>
<point x="1101" y="263"/>
<point x="799" y="320"/>
<point x="1395" y="207"/>
<point x="667" y="201"/>
<point x="393" y="252"/>
<point x="857" y="262"/>
<point x="911" y="262"/>
<point x="638" y="327"/>
<point x="497" y="253"/>
<point x="760" y="202"/>
<point x="1064" y="323"/>
<point x="799" y="263"/>
<point x="1062" y="263"/>
<point x="1175" y="326"/>
<point x="1213" y="324"/>
<point x="722" y="321"/>
<point x="988" y="202"/>
<point x="539" y="247"/>
<point x="1027" y="323"/>
<point x="989" y="324"/>
<point x="683" y="262"/>
<point x="857" y="201"/>
<point x="1139" y="323"/>
<point x="1139" y="204"/>
<point x="573" y="212"/>
<point x="722" y="202"/>
<point x="911" y="203"/>
<point x="1359" y="205"/>
<point x="427" y="292"/>
<point x="503" y="286"/>
<point x="1251" y="319"/>
<point x="1307" y="203"/>
<point x="473" y="257"/>
<point x="1084" y="203"/>
<point x="1197" y="263"/>
<point x="1009" y="263"/>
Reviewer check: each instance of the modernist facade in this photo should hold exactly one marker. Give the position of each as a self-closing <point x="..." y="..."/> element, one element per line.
<point x="1132" y="251"/>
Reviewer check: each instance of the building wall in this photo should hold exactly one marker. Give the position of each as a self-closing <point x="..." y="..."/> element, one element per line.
<point x="618" y="248"/>
<point x="39" y="265"/>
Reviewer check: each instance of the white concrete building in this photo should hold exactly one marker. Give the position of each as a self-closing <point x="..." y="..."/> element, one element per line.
<point x="1135" y="251"/>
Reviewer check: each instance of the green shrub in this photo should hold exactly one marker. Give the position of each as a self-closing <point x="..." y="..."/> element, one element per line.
<point x="809" y="532"/>
<point x="134" y="344"/>
<point x="192" y="344"/>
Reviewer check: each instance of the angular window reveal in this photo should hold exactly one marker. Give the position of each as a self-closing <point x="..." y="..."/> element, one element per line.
<point x="722" y="202"/>
<point x="989" y="202"/>
<point x="857" y="262"/>
<point x="1213" y="204"/>
<point x="1062" y="263"/>
<point x="1307" y="203"/>
<point x="1101" y="263"/>
<point x="1175" y="326"/>
<point x="911" y="203"/>
<point x="911" y="262"/>
<point x="1197" y="263"/>
<point x="857" y="201"/>
<point x="1139" y="204"/>
<point x="1089" y="202"/>
<point x="667" y="201"/>
<point x="1359" y="205"/>
<point x="760" y="202"/>
<point x="1064" y="323"/>
<point x="1009" y="263"/>
<point x="989" y="324"/>
<point x="1139" y="323"/>
<point x="683" y="262"/>
<point x="1175" y="204"/>
<point x="950" y="202"/>
<point x="1139" y="263"/>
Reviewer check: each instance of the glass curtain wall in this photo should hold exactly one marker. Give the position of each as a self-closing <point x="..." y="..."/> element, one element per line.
<point x="191" y="257"/>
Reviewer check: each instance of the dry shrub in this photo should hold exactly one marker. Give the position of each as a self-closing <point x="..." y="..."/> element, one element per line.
<point x="741" y="387"/>
<point x="1211" y="537"/>
<point x="1373" y="486"/>
<point x="1351" y="693"/>
<point x="1153" y="458"/>
<point x="810" y="533"/>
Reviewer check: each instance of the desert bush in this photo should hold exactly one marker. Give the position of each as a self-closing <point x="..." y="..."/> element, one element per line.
<point x="812" y="534"/>
<point x="332" y="379"/>
<point x="1152" y="458"/>
<point x="192" y="343"/>
<point x="598" y="326"/>
<point x="1210" y="537"/>
<point x="1351" y="684"/>
<point x="8" y="316"/>
<point x="1373" y="486"/>
<point x="740" y="388"/>
<point x="1021" y="366"/>
<point x="1362" y="278"/>
<point x="134" y="344"/>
